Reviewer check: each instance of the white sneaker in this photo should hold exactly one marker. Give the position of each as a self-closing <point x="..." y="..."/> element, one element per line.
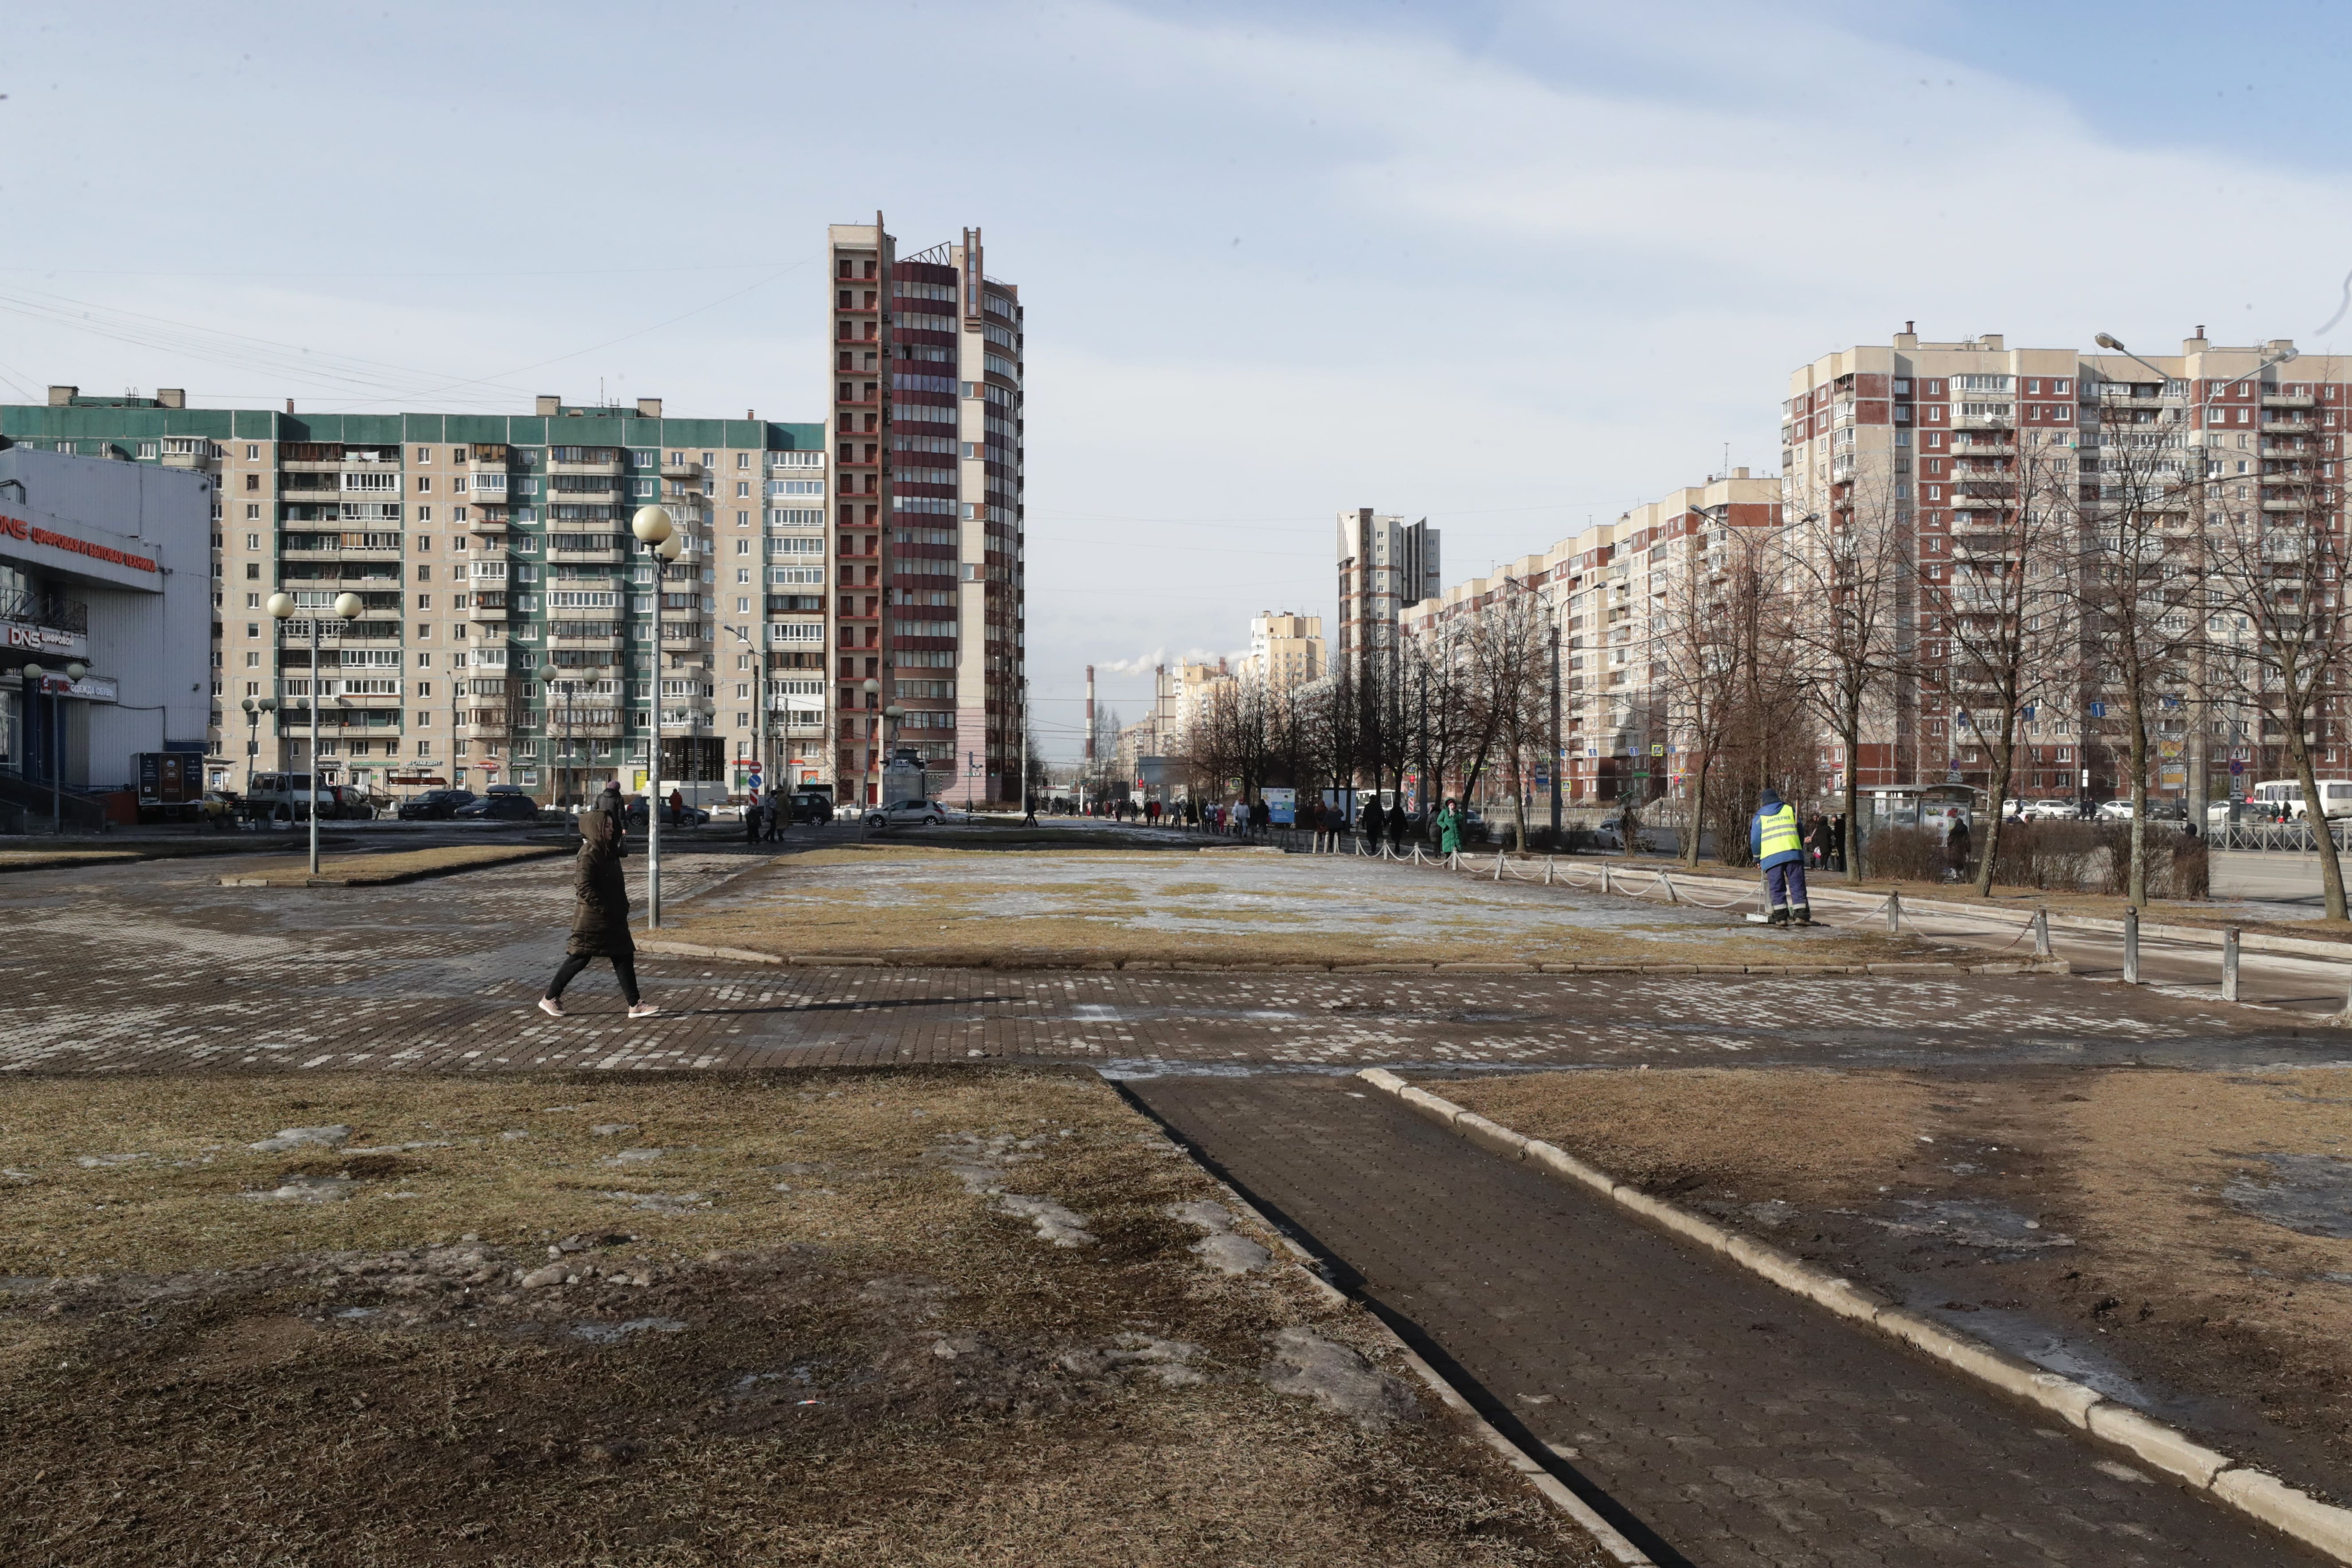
<point x="551" y="1007"/>
<point x="645" y="1010"/>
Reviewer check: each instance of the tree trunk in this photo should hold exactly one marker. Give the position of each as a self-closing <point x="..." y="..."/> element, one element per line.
<point x="1697" y="814"/>
<point x="1852" y="737"/>
<point x="2314" y="811"/>
<point x="2003" y="758"/>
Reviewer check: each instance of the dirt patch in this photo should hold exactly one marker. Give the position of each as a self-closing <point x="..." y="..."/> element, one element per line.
<point x="2180" y="1240"/>
<point x="927" y="1318"/>
<point x="377" y="870"/>
<point x="913" y="904"/>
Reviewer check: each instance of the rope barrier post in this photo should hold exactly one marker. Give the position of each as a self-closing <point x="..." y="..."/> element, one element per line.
<point x="2131" y="944"/>
<point x="2229" y="965"/>
<point x="1499" y="865"/>
<point x="2041" y="932"/>
<point x="1671" y="897"/>
<point x="1894" y="913"/>
<point x="1548" y="870"/>
<point x="1604" y="876"/>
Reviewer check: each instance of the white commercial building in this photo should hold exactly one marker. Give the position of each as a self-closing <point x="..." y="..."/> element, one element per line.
<point x="105" y="565"/>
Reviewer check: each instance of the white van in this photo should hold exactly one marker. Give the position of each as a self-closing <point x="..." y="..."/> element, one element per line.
<point x="2281" y="799"/>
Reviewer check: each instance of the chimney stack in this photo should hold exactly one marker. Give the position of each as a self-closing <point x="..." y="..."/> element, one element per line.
<point x="549" y="406"/>
<point x="648" y="407"/>
<point x="290" y="405"/>
<point x="171" y="396"/>
<point x="62" y="396"/>
<point x="1090" y="716"/>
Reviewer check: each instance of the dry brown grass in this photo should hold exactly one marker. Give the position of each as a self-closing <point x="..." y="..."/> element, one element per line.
<point x="949" y="906"/>
<point x="375" y="871"/>
<point x="2138" y="1166"/>
<point x="35" y="859"/>
<point x="216" y="1378"/>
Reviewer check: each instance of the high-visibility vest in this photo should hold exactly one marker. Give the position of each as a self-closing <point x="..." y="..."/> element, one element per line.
<point x="1779" y="835"/>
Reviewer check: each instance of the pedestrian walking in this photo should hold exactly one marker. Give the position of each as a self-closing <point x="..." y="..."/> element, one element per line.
<point x="600" y="919"/>
<point x="1449" y="828"/>
<point x="1956" y="849"/>
<point x="1817" y="842"/>
<point x="754" y="819"/>
<point x="1837" y="842"/>
<point x="1773" y="839"/>
<point x="780" y="814"/>
<point x="677" y="808"/>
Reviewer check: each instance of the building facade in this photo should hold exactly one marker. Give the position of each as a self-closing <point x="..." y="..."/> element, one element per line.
<point x="513" y="632"/>
<point x="1941" y="442"/>
<point x="1385" y="564"/>
<point x="103" y="564"/>
<point x="1285" y="649"/>
<point x="926" y="370"/>
<point x="1610" y="593"/>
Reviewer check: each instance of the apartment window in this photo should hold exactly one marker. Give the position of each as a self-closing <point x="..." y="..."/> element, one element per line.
<point x="253" y="660"/>
<point x="424" y="454"/>
<point x="1902" y="389"/>
<point x="425" y="514"/>
<point x="252" y="515"/>
<point x="252" y="629"/>
<point x="742" y="459"/>
<point x="253" y="601"/>
<point x="252" y="541"/>
<point x="709" y="459"/>
<point x="424" y="572"/>
<point x="742" y="547"/>
<point x="2059" y="387"/>
<point x="252" y="454"/>
<point x="743" y="520"/>
<point x="424" y="601"/>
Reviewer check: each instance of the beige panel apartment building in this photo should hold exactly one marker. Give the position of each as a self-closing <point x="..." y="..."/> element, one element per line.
<point x="1934" y="440"/>
<point x="1285" y="649"/>
<point x="1610" y="590"/>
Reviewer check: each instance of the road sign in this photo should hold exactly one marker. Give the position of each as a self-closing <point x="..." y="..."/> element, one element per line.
<point x="1656" y="751"/>
<point x="2098" y="710"/>
<point x="2237" y="768"/>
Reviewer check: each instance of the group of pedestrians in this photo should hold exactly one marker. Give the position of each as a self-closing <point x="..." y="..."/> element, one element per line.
<point x="765" y="816"/>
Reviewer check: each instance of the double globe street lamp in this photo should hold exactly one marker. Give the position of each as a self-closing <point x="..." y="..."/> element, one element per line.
<point x="32" y="675"/>
<point x="346" y="607"/>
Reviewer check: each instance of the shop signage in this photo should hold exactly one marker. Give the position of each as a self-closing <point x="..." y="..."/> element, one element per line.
<point x="17" y="528"/>
<point x="43" y="639"/>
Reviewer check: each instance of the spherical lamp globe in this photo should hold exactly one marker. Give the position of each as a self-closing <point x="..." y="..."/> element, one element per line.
<point x="349" y="606"/>
<point x="651" y="525"/>
<point x="282" y="604"/>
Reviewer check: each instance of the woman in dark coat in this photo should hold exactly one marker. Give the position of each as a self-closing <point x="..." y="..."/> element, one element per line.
<point x="600" y="922"/>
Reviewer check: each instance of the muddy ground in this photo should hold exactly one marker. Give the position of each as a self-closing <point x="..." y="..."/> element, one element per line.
<point x="2180" y="1240"/>
<point x="823" y="1318"/>
<point x="1228" y="905"/>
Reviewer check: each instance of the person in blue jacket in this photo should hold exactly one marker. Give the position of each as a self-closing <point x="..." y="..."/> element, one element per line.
<point x="1779" y="846"/>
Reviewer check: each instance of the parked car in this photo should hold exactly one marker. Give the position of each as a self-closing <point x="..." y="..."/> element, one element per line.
<point x="288" y="795"/>
<point x="2050" y="810"/>
<point x="908" y="813"/>
<point x="501" y="808"/>
<point x="436" y="804"/>
<point x="220" y="808"/>
<point x="812" y="808"/>
<point x="695" y="816"/>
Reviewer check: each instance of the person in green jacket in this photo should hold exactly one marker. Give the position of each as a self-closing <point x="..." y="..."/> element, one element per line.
<point x="1449" y="828"/>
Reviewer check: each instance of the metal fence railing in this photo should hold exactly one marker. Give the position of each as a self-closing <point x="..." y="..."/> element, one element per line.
<point x="2291" y="837"/>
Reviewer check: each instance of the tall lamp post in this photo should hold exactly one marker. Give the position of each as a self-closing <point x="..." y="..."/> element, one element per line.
<point x="874" y="734"/>
<point x="32" y="674"/>
<point x="654" y="530"/>
<point x="548" y="675"/>
<point x="346" y="607"/>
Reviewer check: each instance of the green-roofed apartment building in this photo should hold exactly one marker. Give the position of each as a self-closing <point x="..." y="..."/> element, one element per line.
<point x="488" y="550"/>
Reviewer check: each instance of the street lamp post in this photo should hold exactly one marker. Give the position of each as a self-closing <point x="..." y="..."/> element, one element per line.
<point x="874" y="736"/>
<point x="654" y="530"/>
<point x="548" y="674"/>
<point x="346" y="607"/>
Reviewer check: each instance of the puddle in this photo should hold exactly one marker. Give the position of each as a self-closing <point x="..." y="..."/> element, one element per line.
<point x="2310" y="1193"/>
<point x="613" y="1333"/>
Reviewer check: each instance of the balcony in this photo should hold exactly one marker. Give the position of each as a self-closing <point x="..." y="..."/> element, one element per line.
<point x="2285" y="504"/>
<point x="595" y="495"/>
<point x="2106" y="402"/>
<point x="486" y="520"/>
<point x="611" y="555"/>
<point x="2284" y="402"/>
<point x="689" y="470"/>
<point x="484" y="610"/>
<point x="609" y="469"/>
<point x="685" y="634"/>
<point x="311" y="466"/>
<point x="586" y="634"/>
<point x="1984" y="422"/>
<point x="205" y="462"/>
<point x="2286" y="426"/>
<point x="1984" y="448"/>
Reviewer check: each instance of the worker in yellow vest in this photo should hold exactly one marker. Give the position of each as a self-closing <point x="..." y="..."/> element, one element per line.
<point x="1779" y="846"/>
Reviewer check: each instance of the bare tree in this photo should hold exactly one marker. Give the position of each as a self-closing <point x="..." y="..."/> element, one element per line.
<point x="2281" y="576"/>
<point x="2138" y="574"/>
<point x="1849" y="578"/>
<point x="1696" y="651"/>
<point x="1509" y="656"/>
<point x="1994" y="636"/>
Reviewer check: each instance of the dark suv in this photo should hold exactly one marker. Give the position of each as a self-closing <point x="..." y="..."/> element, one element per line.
<point x="810" y="807"/>
<point x="436" y="804"/>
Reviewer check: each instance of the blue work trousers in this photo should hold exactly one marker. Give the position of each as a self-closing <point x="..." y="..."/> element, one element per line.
<point x="1784" y="885"/>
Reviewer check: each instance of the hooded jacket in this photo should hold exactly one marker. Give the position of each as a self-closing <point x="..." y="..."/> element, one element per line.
<point x="1790" y="842"/>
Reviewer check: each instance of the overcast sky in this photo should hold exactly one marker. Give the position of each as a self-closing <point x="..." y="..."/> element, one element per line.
<point x="1509" y="266"/>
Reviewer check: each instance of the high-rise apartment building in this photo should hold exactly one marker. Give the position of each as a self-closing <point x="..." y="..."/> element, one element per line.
<point x="490" y="550"/>
<point x="1612" y="593"/>
<point x="1934" y="440"/>
<point x="1385" y="564"/>
<point x="927" y="370"/>
<point x="1285" y="649"/>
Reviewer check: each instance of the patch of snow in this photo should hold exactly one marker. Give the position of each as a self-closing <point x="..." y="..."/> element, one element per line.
<point x="305" y="1190"/>
<point x="613" y="1333"/>
<point x="632" y="1157"/>
<point x="1059" y="1225"/>
<point x="1336" y="1378"/>
<point x="291" y="1137"/>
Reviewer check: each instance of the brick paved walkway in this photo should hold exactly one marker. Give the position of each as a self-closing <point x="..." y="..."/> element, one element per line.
<point x="1732" y="1425"/>
<point x="156" y="967"/>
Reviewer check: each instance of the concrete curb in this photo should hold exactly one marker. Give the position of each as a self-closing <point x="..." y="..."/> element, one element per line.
<point x="389" y="878"/>
<point x="2250" y="1491"/>
<point x="1550" y="1486"/>
<point x="1165" y="966"/>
